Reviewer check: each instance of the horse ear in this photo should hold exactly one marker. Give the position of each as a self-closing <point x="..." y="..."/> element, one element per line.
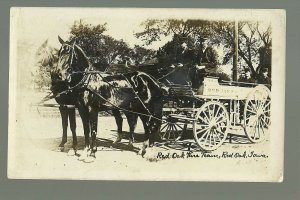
<point x="61" y="40"/>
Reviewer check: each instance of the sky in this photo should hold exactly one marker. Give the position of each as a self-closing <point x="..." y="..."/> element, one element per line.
<point x="35" y="30"/>
<point x="39" y="24"/>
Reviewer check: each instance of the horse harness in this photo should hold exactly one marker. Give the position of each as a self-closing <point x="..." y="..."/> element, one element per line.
<point x="83" y="85"/>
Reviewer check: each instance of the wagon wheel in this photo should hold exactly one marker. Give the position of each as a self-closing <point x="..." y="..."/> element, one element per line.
<point x="257" y="114"/>
<point x="211" y="125"/>
<point x="171" y="129"/>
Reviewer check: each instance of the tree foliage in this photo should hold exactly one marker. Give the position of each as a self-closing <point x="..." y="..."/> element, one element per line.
<point x="154" y="29"/>
<point x="140" y="54"/>
<point x="45" y="59"/>
<point x="187" y="43"/>
<point x="104" y="50"/>
<point x="254" y="44"/>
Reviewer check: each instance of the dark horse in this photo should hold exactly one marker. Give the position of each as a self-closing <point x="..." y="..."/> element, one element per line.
<point x="67" y="101"/>
<point x="137" y="94"/>
<point x="48" y="58"/>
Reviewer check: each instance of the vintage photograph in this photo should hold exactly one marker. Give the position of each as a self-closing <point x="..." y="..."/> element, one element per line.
<point x="146" y="94"/>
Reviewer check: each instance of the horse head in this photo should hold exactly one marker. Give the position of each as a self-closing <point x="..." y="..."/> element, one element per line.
<point x="71" y="59"/>
<point x="146" y="87"/>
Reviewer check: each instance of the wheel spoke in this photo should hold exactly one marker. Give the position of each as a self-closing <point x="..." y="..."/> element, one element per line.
<point x="254" y="130"/>
<point x="220" y="116"/>
<point x="219" y="122"/>
<point x="210" y="143"/>
<point x="213" y="136"/>
<point x="267" y="105"/>
<point x="208" y="119"/>
<point x="179" y="126"/>
<point x="171" y="130"/>
<point x="204" y="120"/>
<point x="168" y="128"/>
<point x="258" y="128"/>
<point x="201" y="130"/>
<point x="258" y="102"/>
<point x="164" y="126"/>
<point x="175" y="132"/>
<point x="220" y="132"/>
<point x="262" y="128"/>
<point x="217" y="112"/>
<point x="203" y="135"/>
<point x="252" y="112"/>
<point x="206" y="136"/>
<point x="209" y="112"/>
<point x="217" y="135"/>
<point x="253" y="106"/>
<point x="265" y="123"/>
<point x="267" y="112"/>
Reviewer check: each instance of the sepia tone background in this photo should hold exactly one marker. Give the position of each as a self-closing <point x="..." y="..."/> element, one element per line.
<point x="64" y="189"/>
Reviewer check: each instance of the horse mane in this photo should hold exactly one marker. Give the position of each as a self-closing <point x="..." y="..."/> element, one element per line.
<point x="87" y="63"/>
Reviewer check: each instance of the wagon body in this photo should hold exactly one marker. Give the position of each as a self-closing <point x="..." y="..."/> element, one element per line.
<point x="217" y="111"/>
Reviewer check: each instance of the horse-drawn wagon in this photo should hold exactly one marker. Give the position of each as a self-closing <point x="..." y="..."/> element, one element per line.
<point x="216" y="111"/>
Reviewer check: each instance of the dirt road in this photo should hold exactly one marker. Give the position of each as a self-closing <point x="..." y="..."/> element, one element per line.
<point x="34" y="154"/>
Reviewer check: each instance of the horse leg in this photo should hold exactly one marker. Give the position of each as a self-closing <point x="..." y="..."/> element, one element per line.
<point x="64" y="119"/>
<point x="72" y="120"/>
<point x="119" y="122"/>
<point x="145" y="121"/>
<point x="84" y="114"/>
<point x="94" y="125"/>
<point x="132" y="121"/>
<point x="155" y="123"/>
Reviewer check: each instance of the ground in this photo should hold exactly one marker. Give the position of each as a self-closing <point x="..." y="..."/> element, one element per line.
<point x="34" y="154"/>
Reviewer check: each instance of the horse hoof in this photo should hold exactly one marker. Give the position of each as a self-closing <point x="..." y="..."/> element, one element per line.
<point x="151" y="144"/>
<point x="71" y="152"/>
<point x="142" y="152"/>
<point x="60" y="149"/>
<point x="92" y="154"/>
<point x="117" y="141"/>
<point x="83" y="154"/>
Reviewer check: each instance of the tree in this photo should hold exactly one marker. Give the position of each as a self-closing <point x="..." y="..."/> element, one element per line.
<point x="192" y="33"/>
<point x="87" y="36"/>
<point x="102" y="50"/>
<point x="154" y="29"/>
<point x="140" y="54"/>
<point x="45" y="59"/>
<point x="252" y="40"/>
<point x="265" y="52"/>
<point x="112" y="50"/>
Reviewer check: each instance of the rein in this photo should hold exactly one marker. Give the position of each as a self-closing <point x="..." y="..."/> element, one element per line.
<point x="83" y="84"/>
<point x="123" y="109"/>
